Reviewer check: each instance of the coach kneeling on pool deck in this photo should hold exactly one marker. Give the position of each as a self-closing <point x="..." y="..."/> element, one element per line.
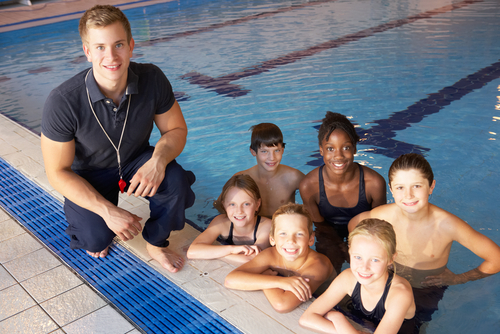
<point x="95" y="142"/>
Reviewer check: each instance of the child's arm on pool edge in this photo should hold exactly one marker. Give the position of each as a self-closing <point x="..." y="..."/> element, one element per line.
<point x="289" y="291"/>
<point x="202" y="247"/>
<point x="320" y="317"/>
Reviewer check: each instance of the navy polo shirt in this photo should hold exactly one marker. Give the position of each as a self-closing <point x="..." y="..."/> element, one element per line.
<point x="67" y="115"/>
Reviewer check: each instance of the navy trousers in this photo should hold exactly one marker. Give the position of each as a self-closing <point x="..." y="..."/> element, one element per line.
<point x="88" y="230"/>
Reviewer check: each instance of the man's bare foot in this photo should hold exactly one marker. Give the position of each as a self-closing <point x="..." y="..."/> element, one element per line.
<point x="103" y="253"/>
<point x="168" y="259"/>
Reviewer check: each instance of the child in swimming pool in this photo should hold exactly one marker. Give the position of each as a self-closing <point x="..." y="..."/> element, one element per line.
<point x="377" y="294"/>
<point x="243" y="231"/>
<point x="422" y="226"/>
<point x="340" y="189"/>
<point x="290" y="272"/>
<point x="277" y="182"/>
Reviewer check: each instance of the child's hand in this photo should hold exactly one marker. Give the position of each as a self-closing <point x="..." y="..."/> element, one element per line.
<point x="246" y="250"/>
<point x="447" y="277"/>
<point x="299" y="286"/>
<point x="339" y="321"/>
<point x="270" y="272"/>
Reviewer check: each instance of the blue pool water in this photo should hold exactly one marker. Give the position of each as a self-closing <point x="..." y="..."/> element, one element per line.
<point x="383" y="63"/>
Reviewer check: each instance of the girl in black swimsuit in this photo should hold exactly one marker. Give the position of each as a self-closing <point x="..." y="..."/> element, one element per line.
<point x="242" y="232"/>
<point x="340" y="189"/>
<point x="377" y="294"/>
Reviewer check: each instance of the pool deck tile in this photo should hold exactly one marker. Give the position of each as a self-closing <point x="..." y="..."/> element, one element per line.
<point x="60" y="331"/>
<point x="242" y="316"/>
<point x="6" y="279"/>
<point x="73" y="305"/>
<point x="33" y="320"/>
<point x="32" y="264"/>
<point x="18" y="246"/>
<point x="29" y="275"/>
<point x="14" y="300"/>
<point x="51" y="283"/>
<point x="3" y="216"/>
<point x="105" y="320"/>
<point x="9" y="229"/>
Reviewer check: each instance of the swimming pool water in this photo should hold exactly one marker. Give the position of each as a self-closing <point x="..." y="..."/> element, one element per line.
<point x="370" y="78"/>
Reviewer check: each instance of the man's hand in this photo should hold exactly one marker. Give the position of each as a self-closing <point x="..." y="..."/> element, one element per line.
<point x="147" y="179"/>
<point x="126" y="225"/>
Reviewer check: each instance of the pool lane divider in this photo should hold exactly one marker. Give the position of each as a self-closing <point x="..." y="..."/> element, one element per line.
<point x="222" y="85"/>
<point x="231" y="22"/>
<point x="382" y="134"/>
<point x="244" y="19"/>
<point x="146" y="297"/>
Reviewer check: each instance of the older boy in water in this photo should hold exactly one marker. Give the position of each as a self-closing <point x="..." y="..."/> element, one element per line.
<point x="277" y="183"/>
<point x="425" y="234"/>
<point x="290" y="272"/>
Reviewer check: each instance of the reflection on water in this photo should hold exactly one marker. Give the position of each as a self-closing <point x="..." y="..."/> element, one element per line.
<point x="419" y="86"/>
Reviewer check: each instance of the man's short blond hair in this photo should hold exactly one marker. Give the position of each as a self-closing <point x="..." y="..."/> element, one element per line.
<point x="101" y="16"/>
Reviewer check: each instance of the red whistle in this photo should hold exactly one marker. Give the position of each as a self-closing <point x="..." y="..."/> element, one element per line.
<point x="122" y="184"/>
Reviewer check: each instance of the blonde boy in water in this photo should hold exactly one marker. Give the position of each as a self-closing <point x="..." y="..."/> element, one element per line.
<point x="277" y="183"/>
<point x="290" y="272"/>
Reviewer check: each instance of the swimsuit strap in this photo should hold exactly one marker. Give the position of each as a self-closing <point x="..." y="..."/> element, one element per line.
<point x="379" y="309"/>
<point x="255" y="230"/>
<point x="361" y="184"/>
<point x="387" y="287"/>
<point x="229" y="239"/>
<point x="321" y="182"/>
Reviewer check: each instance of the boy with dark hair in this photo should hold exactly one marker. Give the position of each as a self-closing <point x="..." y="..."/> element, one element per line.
<point x="277" y="183"/>
<point x="267" y="134"/>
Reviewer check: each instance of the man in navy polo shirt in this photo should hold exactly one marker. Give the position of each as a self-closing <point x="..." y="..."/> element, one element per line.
<point x="95" y="142"/>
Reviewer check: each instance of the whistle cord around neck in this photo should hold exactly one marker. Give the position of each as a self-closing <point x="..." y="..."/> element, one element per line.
<point x="121" y="183"/>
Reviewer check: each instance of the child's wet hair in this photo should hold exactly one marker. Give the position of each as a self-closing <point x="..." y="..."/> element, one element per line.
<point x="267" y="134"/>
<point x="290" y="209"/>
<point x="379" y="229"/>
<point x="334" y="121"/>
<point x="240" y="181"/>
<point x="101" y="16"/>
<point x="411" y="161"/>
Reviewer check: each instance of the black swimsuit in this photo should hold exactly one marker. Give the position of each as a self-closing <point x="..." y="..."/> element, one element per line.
<point x="376" y="315"/>
<point x="341" y="216"/>
<point x="378" y="312"/>
<point x="229" y="239"/>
